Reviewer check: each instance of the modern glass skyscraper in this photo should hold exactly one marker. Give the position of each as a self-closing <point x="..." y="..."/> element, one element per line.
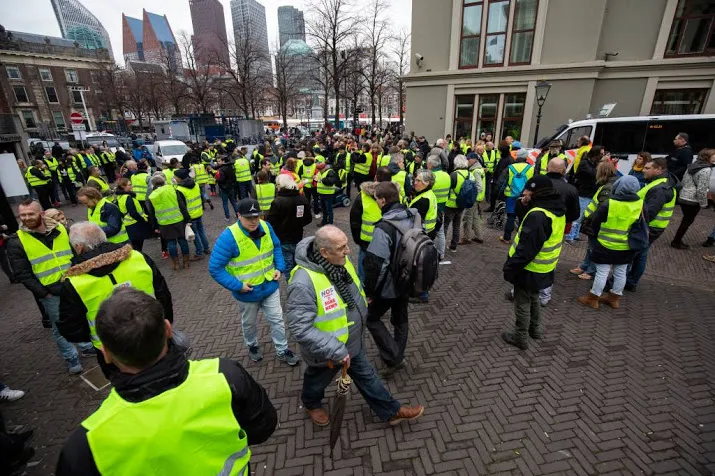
<point x="210" y="40"/>
<point x="78" y="24"/>
<point x="291" y="24"/>
<point x="249" y="22"/>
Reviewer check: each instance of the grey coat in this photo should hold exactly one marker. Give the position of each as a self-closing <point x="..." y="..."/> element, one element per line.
<point x="316" y="346"/>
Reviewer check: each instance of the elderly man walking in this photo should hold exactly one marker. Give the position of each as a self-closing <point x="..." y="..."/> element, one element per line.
<point x="326" y="315"/>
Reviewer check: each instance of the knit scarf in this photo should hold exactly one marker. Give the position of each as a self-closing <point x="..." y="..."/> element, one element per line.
<point x="339" y="276"/>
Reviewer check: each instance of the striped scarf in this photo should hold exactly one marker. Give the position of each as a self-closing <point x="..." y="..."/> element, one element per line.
<point x="339" y="276"/>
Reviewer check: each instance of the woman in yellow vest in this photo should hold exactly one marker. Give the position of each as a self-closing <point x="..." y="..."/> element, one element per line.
<point x="95" y="180"/>
<point x="613" y="227"/>
<point x="168" y="214"/>
<point x="133" y="216"/>
<point x="104" y="213"/>
<point x="186" y="186"/>
<point x="265" y="191"/>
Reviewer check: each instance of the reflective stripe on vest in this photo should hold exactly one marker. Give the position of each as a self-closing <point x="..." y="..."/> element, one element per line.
<point x="399" y="178"/>
<point x="383" y="160"/>
<point x="593" y="204"/>
<point x="364" y="169"/>
<point x="193" y="200"/>
<point x="325" y="189"/>
<point x="454" y="192"/>
<point x="331" y="316"/>
<point x="371" y="214"/>
<point x="253" y="265"/>
<point x="481" y="176"/>
<point x="544" y="164"/>
<point x="133" y="272"/>
<point x="490" y="160"/>
<point x="430" y="221"/>
<point x="196" y="416"/>
<point x="34" y="181"/>
<point x="48" y="265"/>
<point x="52" y="163"/>
<point x="127" y="219"/>
<point x="547" y="258"/>
<point x="442" y="183"/>
<point x="276" y="166"/>
<point x="662" y="219"/>
<point x="95" y="216"/>
<point x="243" y="170"/>
<point x="200" y="174"/>
<point x="103" y="186"/>
<point x="166" y="205"/>
<point x="307" y="174"/>
<point x="621" y="216"/>
<point x="139" y="186"/>
<point x="265" y="194"/>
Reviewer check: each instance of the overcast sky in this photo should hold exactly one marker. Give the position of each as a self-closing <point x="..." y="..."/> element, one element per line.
<point x="36" y="16"/>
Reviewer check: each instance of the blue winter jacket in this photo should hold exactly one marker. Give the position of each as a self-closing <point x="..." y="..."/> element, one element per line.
<point x="226" y="249"/>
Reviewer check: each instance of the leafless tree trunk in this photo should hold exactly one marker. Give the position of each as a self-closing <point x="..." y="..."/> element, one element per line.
<point x="287" y="80"/>
<point x="376" y="35"/>
<point x="402" y="53"/>
<point x="199" y="77"/>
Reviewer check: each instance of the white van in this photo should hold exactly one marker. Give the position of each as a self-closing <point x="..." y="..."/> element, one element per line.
<point x="165" y="150"/>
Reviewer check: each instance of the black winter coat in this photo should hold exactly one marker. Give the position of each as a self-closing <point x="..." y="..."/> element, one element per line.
<point x="585" y="178"/>
<point x="655" y="200"/>
<point x="569" y="194"/>
<point x="251" y="406"/>
<point x="679" y="161"/>
<point x="533" y="233"/>
<point x="289" y="214"/>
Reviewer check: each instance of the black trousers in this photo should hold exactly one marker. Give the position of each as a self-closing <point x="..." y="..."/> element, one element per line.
<point x="69" y="190"/>
<point x="391" y="347"/>
<point x="690" y="211"/>
<point x="5" y="262"/>
<point x="311" y="193"/>
<point x="44" y="194"/>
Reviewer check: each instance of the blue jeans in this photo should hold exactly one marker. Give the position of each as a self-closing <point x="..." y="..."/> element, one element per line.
<point x="67" y="350"/>
<point x="183" y="244"/>
<point x="244" y="189"/>
<point x="619" y="278"/>
<point x="576" y="226"/>
<point x="204" y="194"/>
<point x="326" y="202"/>
<point x="510" y="217"/>
<point x="637" y="267"/>
<point x="289" y="257"/>
<point x="361" y="268"/>
<point x="271" y="307"/>
<point x="201" y="242"/>
<point x="226" y="196"/>
<point x="316" y="379"/>
<point x="587" y="265"/>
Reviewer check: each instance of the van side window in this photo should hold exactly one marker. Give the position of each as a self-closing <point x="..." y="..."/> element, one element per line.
<point x="659" y="139"/>
<point x="622" y="137"/>
<point x="571" y="140"/>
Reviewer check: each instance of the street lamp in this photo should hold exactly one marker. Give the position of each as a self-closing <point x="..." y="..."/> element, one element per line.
<point x="542" y="91"/>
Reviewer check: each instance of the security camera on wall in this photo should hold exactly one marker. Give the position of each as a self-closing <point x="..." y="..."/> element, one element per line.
<point x="419" y="59"/>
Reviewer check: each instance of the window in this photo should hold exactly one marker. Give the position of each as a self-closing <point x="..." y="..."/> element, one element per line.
<point x="13" y="72"/>
<point x="659" y="139"/>
<point x="45" y="74"/>
<point x="513" y="115"/>
<point x="464" y="107"/>
<point x="59" y="119"/>
<point x="487" y="113"/>
<point x="496" y="33"/>
<point x="522" y="31"/>
<point x="621" y="138"/>
<point x="29" y="118"/>
<point x="77" y="96"/>
<point x="678" y="101"/>
<point x="93" y="75"/>
<point x="571" y="137"/>
<point x="51" y="94"/>
<point x="471" y="29"/>
<point x="20" y="94"/>
<point x="693" y="30"/>
<point x="71" y="75"/>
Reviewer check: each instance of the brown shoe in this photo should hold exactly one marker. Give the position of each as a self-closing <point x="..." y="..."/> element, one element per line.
<point x="406" y="413"/>
<point x="318" y="416"/>
<point x="576" y="271"/>
<point x="174" y="263"/>
<point x="186" y="261"/>
<point x="590" y="300"/>
<point x="611" y="299"/>
<point x="197" y="258"/>
<point x="585" y="276"/>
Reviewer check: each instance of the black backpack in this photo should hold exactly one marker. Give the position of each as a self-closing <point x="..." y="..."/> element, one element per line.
<point x="415" y="260"/>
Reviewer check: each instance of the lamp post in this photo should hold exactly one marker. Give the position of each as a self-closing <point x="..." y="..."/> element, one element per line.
<point x="542" y="91"/>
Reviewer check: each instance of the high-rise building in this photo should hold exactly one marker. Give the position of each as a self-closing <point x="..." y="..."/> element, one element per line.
<point x="209" y="39"/>
<point x="150" y="40"/>
<point x="249" y="23"/>
<point x="78" y="24"/>
<point x="291" y="24"/>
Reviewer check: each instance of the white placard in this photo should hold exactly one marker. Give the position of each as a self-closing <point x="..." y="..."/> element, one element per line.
<point x="11" y="177"/>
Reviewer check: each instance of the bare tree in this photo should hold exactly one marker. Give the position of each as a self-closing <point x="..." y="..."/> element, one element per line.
<point x="112" y="84"/>
<point x="173" y="87"/>
<point x="382" y="81"/>
<point x="401" y="50"/>
<point x="136" y="100"/>
<point x="355" y="80"/>
<point x="156" y="101"/>
<point x="330" y="26"/>
<point x="376" y="37"/>
<point x="199" y="77"/>
<point x="320" y="75"/>
<point x="287" y="80"/>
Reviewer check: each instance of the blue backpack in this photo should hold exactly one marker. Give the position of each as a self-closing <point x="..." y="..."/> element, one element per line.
<point x="467" y="196"/>
<point x="519" y="179"/>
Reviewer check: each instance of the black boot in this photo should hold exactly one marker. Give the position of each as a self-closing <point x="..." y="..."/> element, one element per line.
<point x="511" y="339"/>
<point x="709" y="243"/>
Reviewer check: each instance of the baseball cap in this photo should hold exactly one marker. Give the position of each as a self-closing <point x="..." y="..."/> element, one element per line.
<point x="540" y="182"/>
<point x="249" y="207"/>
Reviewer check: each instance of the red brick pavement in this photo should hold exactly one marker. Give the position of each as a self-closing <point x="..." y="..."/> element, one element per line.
<point x="624" y="392"/>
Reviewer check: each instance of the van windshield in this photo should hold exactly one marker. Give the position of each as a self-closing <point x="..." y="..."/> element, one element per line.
<point x="173" y="149"/>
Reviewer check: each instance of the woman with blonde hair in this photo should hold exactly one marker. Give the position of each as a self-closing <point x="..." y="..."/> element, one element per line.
<point x="104" y="213"/>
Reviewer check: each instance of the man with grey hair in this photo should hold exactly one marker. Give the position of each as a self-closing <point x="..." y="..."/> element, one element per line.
<point x="289" y="214"/>
<point x="326" y="311"/>
<point x="97" y="269"/>
<point x="440" y="150"/>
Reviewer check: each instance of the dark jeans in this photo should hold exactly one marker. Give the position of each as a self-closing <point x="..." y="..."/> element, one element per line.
<point x="227" y="194"/>
<point x="488" y="191"/>
<point x="637" y="268"/>
<point x="289" y="257"/>
<point x="44" y="195"/>
<point x="316" y="379"/>
<point x="243" y="189"/>
<point x="587" y="265"/>
<point x="690" y="211"/>
<point x="392" y="348"/>
<point x="138" y="245"/>
<point x="109" y="169"/>
<point x="528" y="312"/>
<point x="348" y="184"/>
<point x="201" y="241"/>
<point x="453" y="216"/>
<point x="359" y="179"/>
<point x="326" y="201"/>
<point x="69" y="191"/>
<point x="183" y="244"/>
<point x="54" y="187"/>
<point x="312" y="195"/>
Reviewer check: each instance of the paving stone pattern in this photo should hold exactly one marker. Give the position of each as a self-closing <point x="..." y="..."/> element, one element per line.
<point x="626" y="391"/>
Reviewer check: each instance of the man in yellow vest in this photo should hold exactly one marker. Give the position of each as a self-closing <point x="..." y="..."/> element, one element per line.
<point x="98" y="268"/>
<point x="248" y="261"/>
<point x="442" y="182"/>
<point x="513" y="180"/>
<point x="244" y="185"/>
<point x="533" y="257"/>
<point x="39" y="179"/>
<point x="52" y="164"/>
<point x="323" y="284"/>
<point x="363" y="163"/>
<point x="108" y="160"/>
<point x="542" y="162"/>
<point x="39" y="255"/>
<point x="192" y="193"/>
<point x="472" y="219"/>
<point x="659" y="196"/>
<point x="328" y="181"/>
<point x="490" y="158"/>
<point x="187" y="402"/>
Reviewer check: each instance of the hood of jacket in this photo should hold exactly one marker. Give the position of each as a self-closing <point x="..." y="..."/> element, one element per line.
<point x="100" y="261"/>
<point x="302" y="251"/>
<point x="397" y="211"/>
<point x="368" y="188"/>
<point x="549" y="200"/>
<point x="188" y="182"/>
<point x="50" y="225"/>
<point x="673" y="181"/>
<point x="696" y="167"/>
<point x="394" y="168"/>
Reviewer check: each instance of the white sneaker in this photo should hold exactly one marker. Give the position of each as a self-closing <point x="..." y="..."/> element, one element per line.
<point x="9" y="395"/>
